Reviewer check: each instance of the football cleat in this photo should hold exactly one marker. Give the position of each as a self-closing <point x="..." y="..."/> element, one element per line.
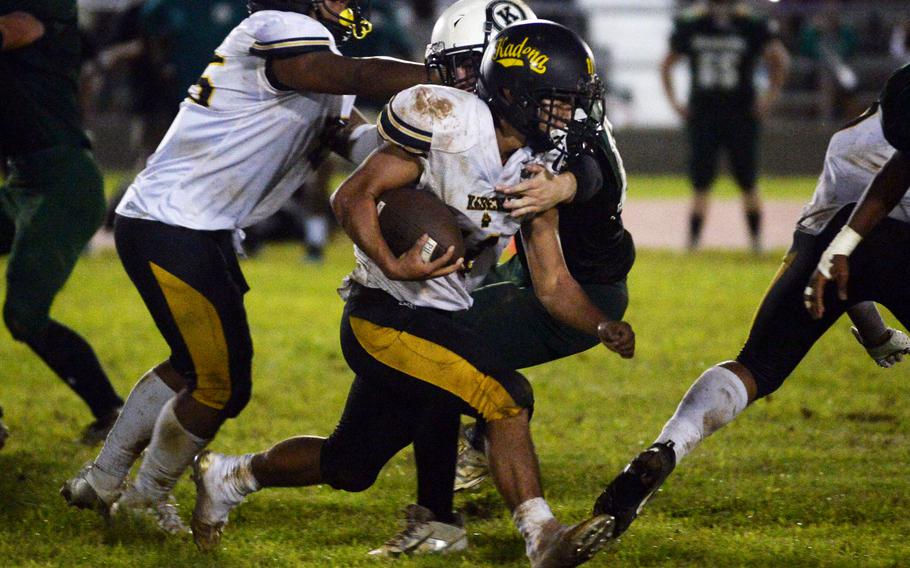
<point x="625" y="496"/>
<point x="79" y="493"/>
<point x="213" y="505"/>
<point x="472" y="466"/>
<point x="423" y="534"/>
<point x="163" y="514"/>
<point x="563" y="547"/>
<point x="4" y="431"/>
<point x="889" y="353"/>
<point x="97" y="431"/>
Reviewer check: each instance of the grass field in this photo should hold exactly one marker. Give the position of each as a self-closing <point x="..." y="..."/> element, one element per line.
<point x="816" y="476"/>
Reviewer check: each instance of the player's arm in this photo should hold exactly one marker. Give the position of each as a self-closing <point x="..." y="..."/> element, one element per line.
<point x="883" y="195"/>
<point x="545" y="190"/>
<point x="18" y="30"/>
<point x="371" y="77"/>
<point x="777" y="60"/>
<point x="666" y="79"/>
<point x="560" y="293"/>
<point x="354" y="205"/>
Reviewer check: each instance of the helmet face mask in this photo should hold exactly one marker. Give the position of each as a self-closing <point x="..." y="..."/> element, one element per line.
<point x="352" y="22"/>
<point x="539" y="77"/>
<point x="462" y="32"/>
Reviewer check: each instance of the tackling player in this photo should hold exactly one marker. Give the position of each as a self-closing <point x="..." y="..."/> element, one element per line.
<point x="723" y="41"/>
<point x="252" y="129"/>
<point x="53" y="192"/>
<point x="417" y="368"/>
<point x="783" y="331"/>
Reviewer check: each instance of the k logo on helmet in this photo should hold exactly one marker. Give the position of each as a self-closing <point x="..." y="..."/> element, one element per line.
<point x="509" y="54"/>
<point x="506" y="13"/>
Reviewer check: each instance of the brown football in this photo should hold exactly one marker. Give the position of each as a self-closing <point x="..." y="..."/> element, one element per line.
<point x="406" y="213"/>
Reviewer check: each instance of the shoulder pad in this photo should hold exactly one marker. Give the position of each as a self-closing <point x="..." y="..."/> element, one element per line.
<point x="285" y="34"/>
<point x="428" y="116"/>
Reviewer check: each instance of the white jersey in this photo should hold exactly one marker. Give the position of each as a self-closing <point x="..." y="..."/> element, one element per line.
<point x="453" y="134"/>
<point x="855" y="155"/>
<point x="241" y="143"/>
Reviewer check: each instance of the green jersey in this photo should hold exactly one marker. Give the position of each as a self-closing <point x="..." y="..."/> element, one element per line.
<point x="39" y="107"/>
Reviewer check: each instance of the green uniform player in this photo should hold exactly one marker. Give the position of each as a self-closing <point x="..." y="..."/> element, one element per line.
<point x="723" y="41"/>
<point x="53" y="191"/>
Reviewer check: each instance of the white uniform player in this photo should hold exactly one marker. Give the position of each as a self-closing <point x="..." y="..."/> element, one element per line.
<point x="241" y="143"/>
<point x="453" y="133"/>
<point x="855" y="155"/>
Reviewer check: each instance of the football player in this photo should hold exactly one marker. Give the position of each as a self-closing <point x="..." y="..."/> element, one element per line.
<point x="783" y="331"/>
<point x="253" y="128"/>
<point x="53" y="193"/>
<point x="722" y="42"/>
<point x="591" y="191"/>
<point x="417" y="369"/>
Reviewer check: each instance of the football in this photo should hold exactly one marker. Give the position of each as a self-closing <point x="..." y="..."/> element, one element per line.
<point x="406" y="213"/>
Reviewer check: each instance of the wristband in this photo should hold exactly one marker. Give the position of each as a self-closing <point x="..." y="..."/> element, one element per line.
<point x="843" y="244"/>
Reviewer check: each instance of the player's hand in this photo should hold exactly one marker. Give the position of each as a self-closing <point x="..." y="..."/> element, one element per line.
<point x="813" y="295"/>
<point x="541" y="192"/>
<point x="412" y="266"/>
<point x="618" y="337"/>
<point x="891" y="351"/>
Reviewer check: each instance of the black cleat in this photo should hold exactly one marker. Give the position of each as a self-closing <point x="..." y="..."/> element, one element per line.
<point x="630" y="490"/>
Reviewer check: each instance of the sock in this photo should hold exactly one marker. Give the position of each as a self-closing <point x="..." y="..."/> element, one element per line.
<point x="715" y="399"/>
<point x="695" y="225"/>
<point x="753" y="219"/>
<point x="74" y="361"/>
<point x="170" y="452"/>
<point x="435" y="444"/>
<point x="530" y="518"/>
<point x="131" y="433"/>
<point x="237" y="475"/>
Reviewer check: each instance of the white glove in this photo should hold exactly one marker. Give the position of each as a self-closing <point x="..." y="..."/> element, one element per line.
<point x="889" y="353"/>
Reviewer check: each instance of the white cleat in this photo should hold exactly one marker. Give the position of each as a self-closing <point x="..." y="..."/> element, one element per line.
<point x="213" y="504"/>
<point x="79" y="492"/>
<point x="163" y="514"/>
<point x="423" y="534"/>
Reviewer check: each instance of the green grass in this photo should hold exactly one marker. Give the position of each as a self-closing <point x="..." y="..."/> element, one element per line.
<point x="816" y="476"/>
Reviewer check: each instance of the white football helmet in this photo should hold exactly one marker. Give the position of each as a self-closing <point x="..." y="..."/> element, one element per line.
<point x="461" y="34"/>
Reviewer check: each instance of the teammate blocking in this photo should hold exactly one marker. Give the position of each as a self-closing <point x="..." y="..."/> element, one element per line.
<point x="260" y="119"/>
<point x="418" y="369"/>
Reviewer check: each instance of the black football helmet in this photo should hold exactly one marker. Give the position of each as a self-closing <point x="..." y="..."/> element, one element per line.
<point x="895" y="103"/>
<point x="353" y="21"/>
<point x="531" y="73"/>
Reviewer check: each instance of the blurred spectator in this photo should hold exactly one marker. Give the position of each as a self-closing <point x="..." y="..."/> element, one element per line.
<point x="826" y="32"/>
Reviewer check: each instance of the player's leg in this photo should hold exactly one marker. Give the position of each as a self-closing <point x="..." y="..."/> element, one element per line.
<point x="193" y="287"/>
<point x="742" y="137"/>
<point x="781" y="335"/>
<point x="442" y="356"/>
<point x="56" y="199"/>
<point x="704" y="147"/>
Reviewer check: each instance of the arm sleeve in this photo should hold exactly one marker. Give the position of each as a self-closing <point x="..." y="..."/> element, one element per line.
<point x="289" y="34"/>
<point x="588" y="176"/>
<point x="401" y="124"/>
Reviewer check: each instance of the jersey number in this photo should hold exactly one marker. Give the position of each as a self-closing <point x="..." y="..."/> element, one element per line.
<point x="201" y="92"/>
<point x="718" y="70"/>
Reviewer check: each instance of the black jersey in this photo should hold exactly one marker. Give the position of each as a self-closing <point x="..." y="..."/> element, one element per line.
<point x="596" y="246"/>
<point x="38" y="90"/>
<point x="722" y="55"/>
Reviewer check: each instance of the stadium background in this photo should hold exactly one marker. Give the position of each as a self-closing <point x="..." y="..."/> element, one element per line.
<point x="813" y="477"/>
